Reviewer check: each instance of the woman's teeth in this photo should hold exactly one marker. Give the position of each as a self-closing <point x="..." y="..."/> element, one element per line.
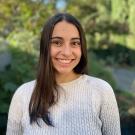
<point x="64" y="61"/>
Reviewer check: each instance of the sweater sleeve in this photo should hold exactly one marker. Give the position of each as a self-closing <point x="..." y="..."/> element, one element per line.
<point x="109" y="112"/>
<point x="15" y="114"/>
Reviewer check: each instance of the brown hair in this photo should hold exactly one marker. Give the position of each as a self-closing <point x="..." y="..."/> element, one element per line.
<point x="45" y="93"/>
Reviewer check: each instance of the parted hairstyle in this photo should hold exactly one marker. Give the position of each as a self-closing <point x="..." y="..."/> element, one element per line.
<point x="46" y="92"/>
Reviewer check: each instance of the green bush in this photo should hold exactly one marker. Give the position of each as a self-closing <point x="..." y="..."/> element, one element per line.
<point x="24" y="54"/>
<point x="98" y="69"/>
<point x="116" y="54"/>
<point x="21" y="69"/>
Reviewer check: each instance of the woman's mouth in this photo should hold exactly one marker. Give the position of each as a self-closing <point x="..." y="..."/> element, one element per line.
<point x="65" y="61"/>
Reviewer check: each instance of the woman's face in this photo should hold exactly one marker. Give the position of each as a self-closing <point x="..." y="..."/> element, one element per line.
<point x="65" y="48"/>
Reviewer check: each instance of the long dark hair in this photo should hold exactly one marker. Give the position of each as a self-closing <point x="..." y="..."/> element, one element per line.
<point x="45" y="93"/>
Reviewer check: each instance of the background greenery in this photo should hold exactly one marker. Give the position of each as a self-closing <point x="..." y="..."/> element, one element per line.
<point x="110" y="32"/>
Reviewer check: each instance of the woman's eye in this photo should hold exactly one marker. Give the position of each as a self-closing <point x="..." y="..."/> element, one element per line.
<point x="76" y="43"/>
<point x="56" y="43"/>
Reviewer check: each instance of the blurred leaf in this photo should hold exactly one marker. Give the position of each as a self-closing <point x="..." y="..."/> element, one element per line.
<point x="9" y="86"/>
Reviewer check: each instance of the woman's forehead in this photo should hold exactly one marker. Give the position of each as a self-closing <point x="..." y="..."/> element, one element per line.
<point x="64" y="28"/>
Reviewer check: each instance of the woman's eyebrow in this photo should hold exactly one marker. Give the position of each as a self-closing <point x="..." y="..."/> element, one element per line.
<point x="56" y="38"/>
<point x="76" y="38"/>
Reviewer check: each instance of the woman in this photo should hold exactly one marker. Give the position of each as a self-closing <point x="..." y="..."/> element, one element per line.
<point x="63" y="100"/>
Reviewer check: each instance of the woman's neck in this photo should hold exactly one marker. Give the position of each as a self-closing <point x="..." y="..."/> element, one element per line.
<point x="64" y="78"/>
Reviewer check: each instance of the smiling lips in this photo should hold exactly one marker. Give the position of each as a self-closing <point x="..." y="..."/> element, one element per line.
<point x="65" y="61"/>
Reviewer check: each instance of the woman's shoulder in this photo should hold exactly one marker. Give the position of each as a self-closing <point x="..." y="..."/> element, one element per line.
<point x="100" y="87"/>
<point x="98" y="83"/>
<point x="25" y="89"/>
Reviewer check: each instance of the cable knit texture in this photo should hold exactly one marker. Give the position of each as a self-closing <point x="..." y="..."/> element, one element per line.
<point x="87" y="106"/>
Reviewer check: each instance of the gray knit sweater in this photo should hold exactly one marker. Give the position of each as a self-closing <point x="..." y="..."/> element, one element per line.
<point x="87" y="106"/>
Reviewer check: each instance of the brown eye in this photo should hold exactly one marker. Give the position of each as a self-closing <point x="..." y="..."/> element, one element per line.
<point x="76" y="43"/>
<point x="56" y="43"/>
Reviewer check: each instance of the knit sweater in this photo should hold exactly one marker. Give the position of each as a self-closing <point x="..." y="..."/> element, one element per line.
<point x="87" y="106"/>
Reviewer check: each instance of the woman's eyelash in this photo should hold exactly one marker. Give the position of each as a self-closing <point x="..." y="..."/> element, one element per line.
<point x="56" y="42"/>
<point x="76" y="43"/>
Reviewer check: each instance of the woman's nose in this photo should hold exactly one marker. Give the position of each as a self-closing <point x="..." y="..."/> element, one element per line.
<point x="67" y="50"/>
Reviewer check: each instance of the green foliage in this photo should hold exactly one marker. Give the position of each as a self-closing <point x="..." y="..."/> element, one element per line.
<point x="25" y="40"/>
<point x="118" y="39"/>
<point x="131" y="19"/>
<point x="119" y="10"/>
<point x="21" y="69"/>
<point x="16" y="14"/>
<point x="117" y="54"/>
<point x="130" y="40"/>
<point x="98" y="69"/>
<point x="125" y="102"/>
